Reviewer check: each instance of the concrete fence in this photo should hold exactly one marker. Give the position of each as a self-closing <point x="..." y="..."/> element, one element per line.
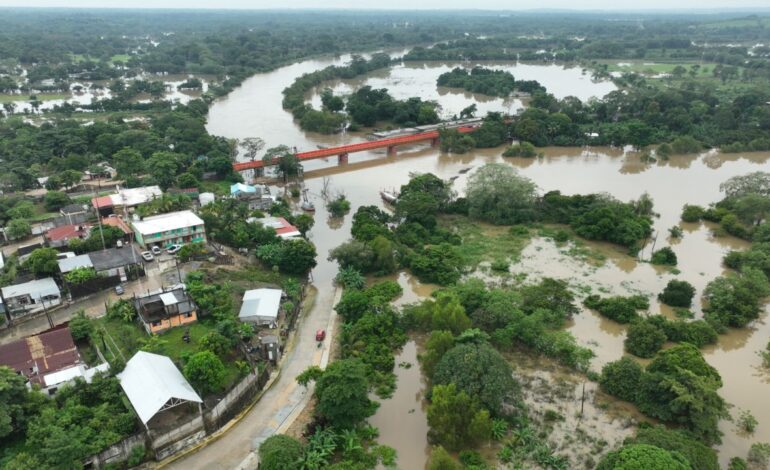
<point x="118" y="452"/>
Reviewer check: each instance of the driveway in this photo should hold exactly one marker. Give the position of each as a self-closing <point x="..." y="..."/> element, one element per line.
<point x="235" y="448"/>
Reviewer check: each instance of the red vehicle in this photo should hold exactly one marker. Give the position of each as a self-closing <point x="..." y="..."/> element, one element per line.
<point x="320" y="335"/>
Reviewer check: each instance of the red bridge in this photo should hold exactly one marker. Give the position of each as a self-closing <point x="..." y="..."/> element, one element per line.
<point x="343" y="151"/>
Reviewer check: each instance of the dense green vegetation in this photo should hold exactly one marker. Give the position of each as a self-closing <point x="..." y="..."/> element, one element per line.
<point x="620" y="309"/>
<point x="677" y="387"/>
<point x="487" y="81"/>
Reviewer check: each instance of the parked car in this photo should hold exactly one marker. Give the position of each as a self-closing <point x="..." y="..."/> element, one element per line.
<point x="147" y="256"/>
<point x="119" y="289"/>
<point x="173" y="249"/>
<point x="156" y="250"/>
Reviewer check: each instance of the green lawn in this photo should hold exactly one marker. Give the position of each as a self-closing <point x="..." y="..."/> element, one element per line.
<point x="484" y="242"/>
<point x="120" y="57"/>
<point x="122" y="340"/>
<point x="218" y="187"/>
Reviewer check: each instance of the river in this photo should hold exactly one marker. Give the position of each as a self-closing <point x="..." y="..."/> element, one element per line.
<point x="254" y="110"/>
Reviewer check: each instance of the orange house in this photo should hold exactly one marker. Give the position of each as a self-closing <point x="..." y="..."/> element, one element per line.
<point x="163" y="310"/>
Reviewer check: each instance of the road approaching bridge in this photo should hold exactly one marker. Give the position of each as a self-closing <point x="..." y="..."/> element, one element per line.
<point x="343" y="151"/>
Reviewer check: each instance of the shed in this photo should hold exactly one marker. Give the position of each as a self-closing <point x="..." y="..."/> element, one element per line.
<point x="70" y="264"/>
<point x="153" y="384"/>
<point x="260" y="306"/>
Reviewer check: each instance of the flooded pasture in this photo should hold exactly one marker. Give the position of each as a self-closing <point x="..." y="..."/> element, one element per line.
<point x="254" y="110"/>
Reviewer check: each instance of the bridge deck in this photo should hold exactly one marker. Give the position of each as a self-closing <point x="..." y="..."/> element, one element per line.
<point x="357" y="147"/>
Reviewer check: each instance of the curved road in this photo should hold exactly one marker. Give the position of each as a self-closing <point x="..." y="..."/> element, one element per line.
<point x="234" y="448"/>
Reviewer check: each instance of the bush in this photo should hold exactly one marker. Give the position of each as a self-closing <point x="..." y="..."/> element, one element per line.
<point x="644" y="339"/>
<point x="80" y="275"/>
<point x="643" y="456"/>
<point x="700" y="456"/>
<point x="339" y="206"/>
<point x="81" y="326"/>
<point x="747" y="421"/>
<point x="136" y="456"/>
<point x="55" y="200"/>
<point x="677" y="294"/>
<point x="676" y="232"/>
<point x="205" y="372"/>
<point x="500" y="265"/>
<point x="620" y="309"/>
<point x="686" y="144"/>
<point x="524" y="149"/>
<point x="622" y="379"/>
<point x="692" y="213"/>
<point x="280" y="452"/>
<point x="665" y="256"/>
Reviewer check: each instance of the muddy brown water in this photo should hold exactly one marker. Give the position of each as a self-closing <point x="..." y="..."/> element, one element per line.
<point x="255" y="110"/>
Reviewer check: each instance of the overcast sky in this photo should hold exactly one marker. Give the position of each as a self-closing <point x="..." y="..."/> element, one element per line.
<point x="402" y="4"/>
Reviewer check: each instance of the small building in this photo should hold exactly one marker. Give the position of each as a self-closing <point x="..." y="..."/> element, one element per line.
<point x="31" y="296"/>
<point x="257" y="197"/>
<point x="58" y="237"/>
<point x="163" y="310"/>
<point x="240" y="188"/>
<point x="153" y="384"/>
<point x="48" y="360"/>
<point x="281" y="226"/>
<point x="261" y="306"/>
<point x="205" y="199"/>
<point x="74" y="262"/>
<point x="71" y="210"/>
<point x="125" y="198"/>
<point x="270" y="348"/>
<point x="118" y="262"/>
<point x="168" y="229"/>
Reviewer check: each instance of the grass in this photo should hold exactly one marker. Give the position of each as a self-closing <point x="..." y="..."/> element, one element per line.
<point x="120" y="57"/>
<point x="218" y="187"/>
<point x="123" y="340"/>
<point x="6" y="98"/>
<point x="484" y="242"/>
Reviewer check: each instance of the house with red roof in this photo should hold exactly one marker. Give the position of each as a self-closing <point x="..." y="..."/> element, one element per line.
<point x="60" y="236"/>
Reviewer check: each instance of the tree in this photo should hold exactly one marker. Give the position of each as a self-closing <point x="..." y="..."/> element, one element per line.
<point x="677" y="294"/>
<point x="468" y="111"/>
<point x="81" y="326"/>
<point x="734" y="299"/>
<point x="497" y="194"/>
<point x="13" y="401"/>
<point x="757" y="182"/>
<point x="441" y="460"/>
<point x="442" y="313"/>
<point x="304" y="222"/>
<point x="280" y="452"/>
<point x="338" y="206"/>
<point x="644" y="339"/>
<point x="43" y="262"/>
<point x="479" y="370"/>
<point x="456" y="420"/>
<point x="439" y="342"/>
<point x="643" y="457"/>
<point x="286" y="160"/>
<point x="700" y="456"/>
<point x="18" y="228"/>
<point x="163" y="167"/>
<point x="128" y="162"/>
<point x="70" y="178"/>
<point x="251" y="147"/>
<point x="187" y="180"/>
<point x="297" y="257"/>
<point x="342" y="393"/>
<point x="205" y="372"/>
<point x="55" y="200"/>
<point x="664" y="256"/>
<point x="622" y="379"/>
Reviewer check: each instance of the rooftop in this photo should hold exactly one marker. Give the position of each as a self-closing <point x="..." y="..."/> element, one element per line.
<point x="260" y="305"/>
<point x="70" y="264"/>
<point x="166" y="222"/>
<point x="134" y="196"/>
<point x="153" y="383"/>
<point x="153" y="307"/>
<point x="112" y="258"/>
<point x="67" y="232"/>
<point x="39" y="355"/>
<point x="73" y="209"/>
<point x="281" y="226"/>
<point x="37" y="289"/>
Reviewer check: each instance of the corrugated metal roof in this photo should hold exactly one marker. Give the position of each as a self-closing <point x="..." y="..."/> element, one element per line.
<point x="260" y="305"/>
<point x="35" y="289"/>
<point x="150" y="381"/>
<point x="70" y="264"/>
<point x="40" y="355"/>
<point x="165" y="222"/>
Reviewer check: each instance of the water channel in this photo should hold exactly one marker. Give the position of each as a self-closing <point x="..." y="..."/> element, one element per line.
<point x="254" y="110"/>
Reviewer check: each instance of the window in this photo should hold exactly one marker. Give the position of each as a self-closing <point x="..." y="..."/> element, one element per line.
<point x="156" y="323"/>
<point x="187" y="315"/>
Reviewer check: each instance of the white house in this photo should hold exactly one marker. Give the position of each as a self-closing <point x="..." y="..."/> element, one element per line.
<point x="167" y="229"/>
<point x="260" y="306"/>
<point x="31" y="296"/>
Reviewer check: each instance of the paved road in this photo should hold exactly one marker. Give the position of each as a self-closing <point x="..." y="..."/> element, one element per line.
<point x="93" y="306"/>
<point x="234" y="449"/>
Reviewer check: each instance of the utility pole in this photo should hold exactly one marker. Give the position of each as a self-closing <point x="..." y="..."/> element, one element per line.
<point x="99" y="214"/>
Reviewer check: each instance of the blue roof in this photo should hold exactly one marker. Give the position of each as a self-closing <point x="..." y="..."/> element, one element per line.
<point x="242" y="188"/>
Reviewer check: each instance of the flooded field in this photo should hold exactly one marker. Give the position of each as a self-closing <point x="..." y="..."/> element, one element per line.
<point x="255" y="110"/>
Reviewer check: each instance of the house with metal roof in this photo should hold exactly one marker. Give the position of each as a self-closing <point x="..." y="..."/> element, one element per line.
<point x="31" y="296"/>
<point x="167" y="229"/>
<point x="153" y="384"/>
<point x="162" y="310"/>
<point x="281" y="226"/>
<point x="261" y="306"/>
<point x="49" y="360"/>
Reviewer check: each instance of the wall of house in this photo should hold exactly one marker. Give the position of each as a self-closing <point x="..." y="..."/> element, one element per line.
<point x="171" y="322"/>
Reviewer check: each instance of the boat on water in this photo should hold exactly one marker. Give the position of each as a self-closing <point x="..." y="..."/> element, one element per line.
<point x="389" y="196"/>
<point x="307" y="206"/>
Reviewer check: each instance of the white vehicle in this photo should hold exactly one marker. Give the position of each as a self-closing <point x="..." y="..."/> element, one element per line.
<point x="156" y="250"/>
<point x="147" y="256"/>
<point x="173" y="249"/>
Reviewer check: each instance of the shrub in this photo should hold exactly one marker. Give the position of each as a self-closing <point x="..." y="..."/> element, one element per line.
<point x="500" y="265"/>
<point x="686" y="144"/>
<point x="665" y="256"/>
<point x="620" y="309"/>
<point x="692" y="213"/>
<point x="644" y="339"/>
<point x="747" y="421"/>
<point x="339" y="206"/>
<point x="676" y="232"/>
<point x="677" y="294"/>
<point x="136" y="456"/>
<point x="524" y="149"/>
<point x="80" y="326"/>
<point x="622" y="379"/>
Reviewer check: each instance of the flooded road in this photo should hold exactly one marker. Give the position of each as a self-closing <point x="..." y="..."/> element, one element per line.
<point x="254" y="110"/>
